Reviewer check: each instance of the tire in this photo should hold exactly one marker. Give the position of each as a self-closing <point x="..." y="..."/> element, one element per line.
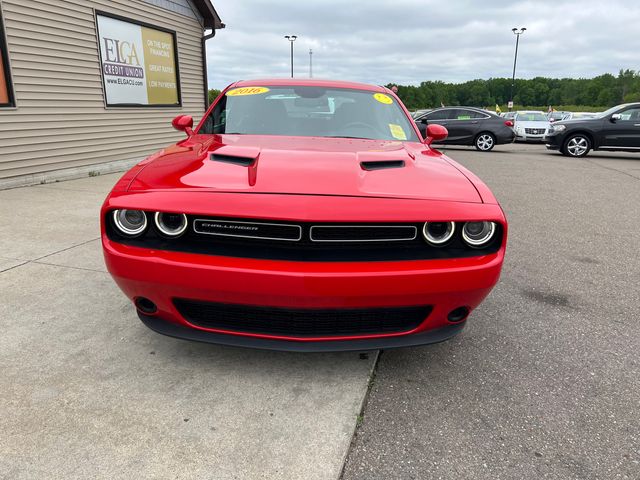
<point x="485" y="142"/>
<point x="577" y="145"/>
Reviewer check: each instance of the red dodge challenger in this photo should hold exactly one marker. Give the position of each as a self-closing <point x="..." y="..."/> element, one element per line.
<point x="304" y="215"/>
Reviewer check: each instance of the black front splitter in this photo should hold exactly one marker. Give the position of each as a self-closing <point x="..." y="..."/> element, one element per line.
<point x="173" y="330"/>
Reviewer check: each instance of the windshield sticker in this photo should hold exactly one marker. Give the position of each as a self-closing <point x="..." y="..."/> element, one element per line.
<point x="236" y="92"/>
<point x="397" y="132"/>
<point x="382" y="98"/>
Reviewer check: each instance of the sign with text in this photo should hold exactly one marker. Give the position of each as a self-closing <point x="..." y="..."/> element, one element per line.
<point x="139" y="66"/>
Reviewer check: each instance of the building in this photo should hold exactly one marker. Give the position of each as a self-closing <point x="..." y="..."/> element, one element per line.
<point x="91" y="86"/>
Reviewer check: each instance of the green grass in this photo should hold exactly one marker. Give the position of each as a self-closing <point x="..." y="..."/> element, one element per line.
<point x="559" y="108"/>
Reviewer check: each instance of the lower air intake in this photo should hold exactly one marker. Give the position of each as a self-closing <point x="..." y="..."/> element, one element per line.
<point x="292" y="322"/>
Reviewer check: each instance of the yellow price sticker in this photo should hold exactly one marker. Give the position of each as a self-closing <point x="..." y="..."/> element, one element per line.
<point x="397" y="132"/>
<point x="236" y="92"/>
<point x="382" y="98"/>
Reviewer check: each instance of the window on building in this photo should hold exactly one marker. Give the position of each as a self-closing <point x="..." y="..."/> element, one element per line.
<point x="6" y="90"/>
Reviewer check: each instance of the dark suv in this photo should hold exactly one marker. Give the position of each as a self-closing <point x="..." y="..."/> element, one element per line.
<point x="469" y="126"/>
<point x="616" y="129"/>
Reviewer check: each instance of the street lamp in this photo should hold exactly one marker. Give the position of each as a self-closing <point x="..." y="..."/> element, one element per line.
<point x="517" y="33"/>
<point x="291" y="38"/>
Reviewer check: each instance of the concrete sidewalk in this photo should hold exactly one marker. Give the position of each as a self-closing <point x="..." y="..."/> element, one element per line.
<point x="86" y="391"/>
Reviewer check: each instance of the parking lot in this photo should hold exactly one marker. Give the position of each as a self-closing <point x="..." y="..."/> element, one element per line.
<point x="543" y="383"/>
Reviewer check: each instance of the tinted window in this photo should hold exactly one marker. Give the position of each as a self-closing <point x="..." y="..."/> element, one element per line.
<point x="464" y="114"/>
<point x="631" y="114"/>
<point x="440" y="115"/>
<point x="310" y="111"/>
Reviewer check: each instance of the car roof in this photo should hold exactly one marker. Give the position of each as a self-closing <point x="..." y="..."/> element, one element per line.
<point x="307" y="82"/>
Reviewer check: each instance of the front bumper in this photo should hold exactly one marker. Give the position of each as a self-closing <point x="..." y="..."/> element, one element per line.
<point x="162" y="276"/>
<point x="554" y="142"/>
<point x="530" y="138"/>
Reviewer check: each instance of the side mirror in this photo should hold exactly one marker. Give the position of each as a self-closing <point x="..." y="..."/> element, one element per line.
<point x="184" y="123"/>
<point x="436" y="133"/>
<point x="615" y="117"/>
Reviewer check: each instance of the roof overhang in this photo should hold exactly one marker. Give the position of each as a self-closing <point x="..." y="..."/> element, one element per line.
<point x="211" y="19"/>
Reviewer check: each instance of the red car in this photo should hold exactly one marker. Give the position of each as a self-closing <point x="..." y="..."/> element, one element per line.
<point x="304" y="215"/>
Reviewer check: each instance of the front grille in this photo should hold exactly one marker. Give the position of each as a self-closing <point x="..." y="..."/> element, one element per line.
<point x="362" y="233"/>
<point x="299" y="322"/>
<point x="534" y="131"/>
<point x="257" y="230"/>
<point x="304" y="241"/>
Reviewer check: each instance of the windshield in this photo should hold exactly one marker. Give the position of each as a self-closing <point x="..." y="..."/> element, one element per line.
<point x="310" y="112"/>
<point x="611" y="111"/>
<point x="531" y="117"/>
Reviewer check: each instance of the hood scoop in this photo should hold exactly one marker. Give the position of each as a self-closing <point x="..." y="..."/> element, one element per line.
<point x="381" y="164"/>
<point x="234" y="160"/>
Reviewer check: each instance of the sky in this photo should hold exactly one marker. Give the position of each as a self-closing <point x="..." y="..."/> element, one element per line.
<point x="409" y="41"/>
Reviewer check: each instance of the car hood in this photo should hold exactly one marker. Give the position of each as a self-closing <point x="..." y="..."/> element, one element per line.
<point x="579" y="121"/>
<point x="526" y="124"/>
<point x="306" y="166"/>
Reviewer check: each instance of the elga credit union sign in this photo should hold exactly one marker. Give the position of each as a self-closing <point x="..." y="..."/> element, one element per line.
<point x="138" y="62"/>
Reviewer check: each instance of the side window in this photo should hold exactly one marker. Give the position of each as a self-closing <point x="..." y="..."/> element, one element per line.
<point x="464" y="114"/>
<point x="216" y="121"/>
<point x="631" y="114"/>
<point x="439" y="115"/>
<point x="6" y="89"/>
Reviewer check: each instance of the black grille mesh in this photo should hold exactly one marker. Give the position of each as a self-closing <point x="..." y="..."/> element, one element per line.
<point x="294" y="322"/>
<point x="351" y="233"/>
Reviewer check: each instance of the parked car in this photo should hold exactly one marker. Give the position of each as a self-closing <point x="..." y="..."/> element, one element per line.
<point x="419" y="113"/>
<point x="556" y="116"/>
<point x="616" y="129"/>
<point x="469" y="126"/>
<point x="304" y="215"/>
<point x="530" y="126"/>
<point x="579" y="115"/>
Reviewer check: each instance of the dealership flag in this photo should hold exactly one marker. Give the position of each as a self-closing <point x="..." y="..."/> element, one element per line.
<point x="498" y="110"/>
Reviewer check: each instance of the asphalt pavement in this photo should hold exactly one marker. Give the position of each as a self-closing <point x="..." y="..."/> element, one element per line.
<point x="544" y="383"/>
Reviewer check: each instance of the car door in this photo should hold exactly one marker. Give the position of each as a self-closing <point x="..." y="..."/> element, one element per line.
<point x="623" y="132"/>
<point x="440" y="116"/>
<point x="464" y="125"/>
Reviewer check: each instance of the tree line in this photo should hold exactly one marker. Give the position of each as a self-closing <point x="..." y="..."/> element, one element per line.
<point x="600" y="92"/>
<point x="603" y="91"/>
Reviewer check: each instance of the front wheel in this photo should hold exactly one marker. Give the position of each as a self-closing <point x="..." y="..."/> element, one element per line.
<point x="577" y="145"/>
<point x="485" y="142"/>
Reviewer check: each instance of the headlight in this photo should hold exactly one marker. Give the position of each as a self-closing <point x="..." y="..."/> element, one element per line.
<point x="130" y="222"/>
<point x="171" y="224"/>
<point x="558" y="128"/>
<point x="438" y="233"/>
<point x="477" y="234"/>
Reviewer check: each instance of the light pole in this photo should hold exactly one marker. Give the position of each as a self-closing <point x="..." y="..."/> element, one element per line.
<point x="310" y="64"/>
<point x="291" y="38"/>
<point x="517" y="33"/>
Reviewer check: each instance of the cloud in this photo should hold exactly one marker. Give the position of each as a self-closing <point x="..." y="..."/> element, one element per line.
<point x="408" y="41"/>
